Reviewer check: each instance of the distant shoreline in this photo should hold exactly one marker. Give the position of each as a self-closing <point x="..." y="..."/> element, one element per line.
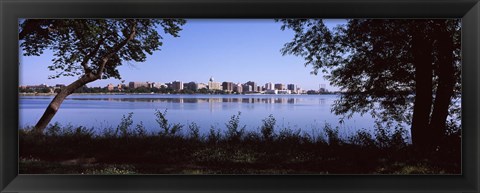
<point x="53" y="94"/>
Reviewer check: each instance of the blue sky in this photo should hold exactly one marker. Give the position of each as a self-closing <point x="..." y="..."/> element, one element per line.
<point x="235" y="50"/>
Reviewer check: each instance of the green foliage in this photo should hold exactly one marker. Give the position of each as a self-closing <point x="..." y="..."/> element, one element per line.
<point x="379" y="63"/>
<point x="111" y="170"/>
<point x="56" y="129"/>
<point x="290" y="151"/>
<point x="123" y="129"/>
<point x="140" y="130"/>
<point x="234" y="132"/>
<point x="167" y="129"/>
<point x="362" y="138"/>
<point x="268" y="127"/>
<point x="332" y="135"/>
<point x="80" y="45"/>
<point x="214" y="135"/>
<point x="194" y="131"/>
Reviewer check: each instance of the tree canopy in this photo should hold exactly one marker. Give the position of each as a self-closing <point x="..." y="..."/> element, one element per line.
<point x="91" y="49"/>
<point x="383" y="66"/>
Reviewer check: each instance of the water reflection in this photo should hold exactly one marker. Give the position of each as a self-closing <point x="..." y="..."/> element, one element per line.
<point x="271" y="100"/>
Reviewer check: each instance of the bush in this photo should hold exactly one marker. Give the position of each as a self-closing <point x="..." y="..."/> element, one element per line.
<point x="362" y="138"/>
<point x="332" y="135"/>
<point x="194" y="131"/>
<point x="167" y="129"/>
<point x="214" y="135"/>
<point x="234" y="133"/>
<point x="124" y="126"/>
<point x="267" y="129"/>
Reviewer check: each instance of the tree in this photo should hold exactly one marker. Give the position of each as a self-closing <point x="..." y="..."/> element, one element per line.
<point x="405" y="71"/>
<point x="91" y="49"/>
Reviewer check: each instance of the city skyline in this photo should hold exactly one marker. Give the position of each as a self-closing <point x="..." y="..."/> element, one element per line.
<point x="235" y="50"/>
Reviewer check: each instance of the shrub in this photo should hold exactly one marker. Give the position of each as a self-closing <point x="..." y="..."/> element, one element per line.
<point x="194" y="131"/>
<point x="140" y="130"/>
<point x="332" y="135"/>
<point x="234" y="133"/>
<point x="214" y="135"/>
<point x="53" y="130"/>
<point x="167" y="129"/>
<point x="124" y="125"/>
<point x="267" y="128"/>
<point x="362" y="138"/>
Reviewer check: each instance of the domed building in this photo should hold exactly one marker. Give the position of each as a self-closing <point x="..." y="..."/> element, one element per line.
<point x="214" y="85"/>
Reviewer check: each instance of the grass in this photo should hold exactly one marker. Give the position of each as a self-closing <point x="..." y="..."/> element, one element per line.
<point x="129" y="149"/>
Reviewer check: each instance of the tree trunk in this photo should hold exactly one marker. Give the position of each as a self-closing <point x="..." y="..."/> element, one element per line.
<point x="422" y="56"/>
<point x="58" y="100"/>
<point x="446" y="84"/>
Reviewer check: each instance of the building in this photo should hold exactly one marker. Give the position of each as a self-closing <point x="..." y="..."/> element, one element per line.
<point x="279" y="86"/>
<point x="119" y="87"/>
<point x="201" y="86"/>
<point x="190" y="86"/>
<point x="110" y="87"/>
<point x="284" y="92"/>
<point x="247" y="88"/>
<point x="227" y="86"/>
<point x="177" y="85"/>
<point x="253" y="85"/>
<point x="291" y="87"/>
<point x="271" y="91"/>
<point x="269" y="86"/>
<point x="214" y="85"/>
<point x="238" y="88"/>
<point x="138" y="84"/>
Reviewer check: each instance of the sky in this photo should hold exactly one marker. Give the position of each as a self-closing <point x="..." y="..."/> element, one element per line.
<point x="232" y="50"/>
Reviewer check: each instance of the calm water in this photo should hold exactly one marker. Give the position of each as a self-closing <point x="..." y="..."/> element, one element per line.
<point x="306" y="112"/>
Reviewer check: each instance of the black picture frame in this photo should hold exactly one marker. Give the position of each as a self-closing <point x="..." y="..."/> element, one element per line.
<point x="11" y="10"/>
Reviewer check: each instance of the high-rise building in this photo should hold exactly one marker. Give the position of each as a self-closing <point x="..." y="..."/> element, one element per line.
<point x="292" y="87"/>
<point x="238" y="88"/>
<point x="227" y="86"/>
<point x="269" y="86"/>
<point x="279" y="86"/>
<point x="247" y="88"/>
<point x="177" y="85"/>
<point x="253" y="85"/>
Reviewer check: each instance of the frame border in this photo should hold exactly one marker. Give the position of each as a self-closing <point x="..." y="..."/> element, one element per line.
<point x="11" y="10"/>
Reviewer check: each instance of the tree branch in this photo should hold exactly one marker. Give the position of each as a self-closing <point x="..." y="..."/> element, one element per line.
<point x="90" y="55"/>
<point x="115" y="49"/>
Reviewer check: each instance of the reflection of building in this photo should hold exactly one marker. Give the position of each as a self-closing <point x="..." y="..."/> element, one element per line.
<point x="214" y="85"/>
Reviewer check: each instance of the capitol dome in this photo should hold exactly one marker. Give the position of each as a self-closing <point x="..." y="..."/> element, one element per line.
<point x="211" y="79"/>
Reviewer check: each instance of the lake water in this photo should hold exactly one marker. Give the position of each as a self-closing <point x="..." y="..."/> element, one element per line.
<point x="306" y="112"/>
